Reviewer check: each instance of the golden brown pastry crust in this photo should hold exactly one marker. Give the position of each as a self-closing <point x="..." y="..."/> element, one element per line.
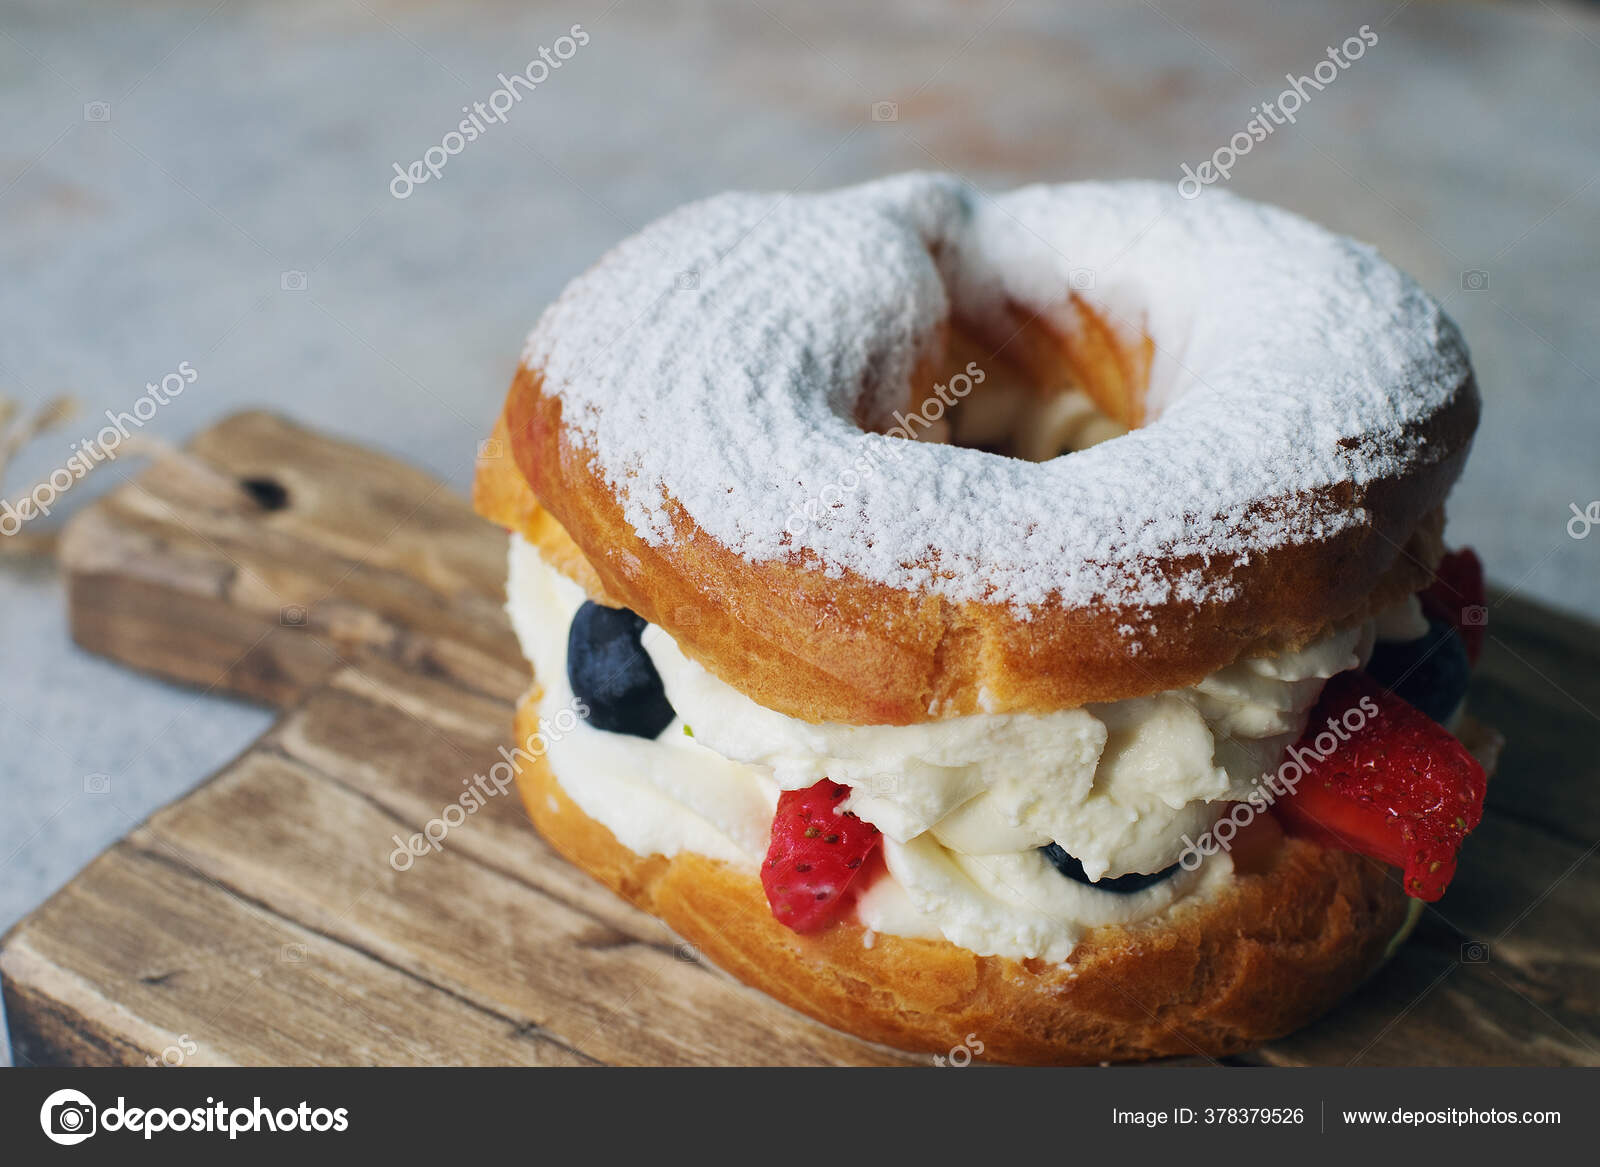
<point x="845" y="649"/>
<point x="1276" y="949"/>
<point x="501" y="495"/>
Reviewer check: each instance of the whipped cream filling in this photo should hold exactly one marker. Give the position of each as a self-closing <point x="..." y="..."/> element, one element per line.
<point x="658" y="796"/>
<point x="1117" y="785"/>
<point x="1014" y="905"/>
<point x="964" y="803"/>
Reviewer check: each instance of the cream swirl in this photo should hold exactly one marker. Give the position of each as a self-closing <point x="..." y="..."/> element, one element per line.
<point x="1116" y="784"/>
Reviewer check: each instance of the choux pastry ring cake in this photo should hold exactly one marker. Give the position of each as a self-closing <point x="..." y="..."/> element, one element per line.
<point x="1024" y="615"/>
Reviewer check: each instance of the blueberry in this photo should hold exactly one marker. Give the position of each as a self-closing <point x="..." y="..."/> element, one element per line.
<point x="1430" y="672"/>
<point x="611" y="673"/>
<point x="1124" y="884"/>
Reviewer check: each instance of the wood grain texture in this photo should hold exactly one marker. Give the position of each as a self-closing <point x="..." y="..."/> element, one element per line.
<point x="362" y="554"/>
<point x="259" y="919"/>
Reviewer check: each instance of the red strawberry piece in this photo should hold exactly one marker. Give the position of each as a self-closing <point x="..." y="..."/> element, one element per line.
<point x="817" y="851"/>
<point x="1457" y="597"/>
<point x="1382" y="779"/>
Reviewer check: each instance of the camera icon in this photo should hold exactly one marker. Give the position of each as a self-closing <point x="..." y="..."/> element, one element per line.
<point x="72" y="1118"/>
<point x="686" y="281"/>
<point x="1081" y="279"/>
<point x="885" y="111"/>
<point x="292" y="616"/>
<point x="880" y="785"/>
<point x="97" y="111"/>
<point x="97" y="784"/>
<point x="292" y="281"/>
<point x="1474" y="616"/>
<point x="1474" y="952"/>
<point x="687" y="953"/>
<point x="1474" y="281"/>
<point x="68" y="1117"/>
<point x="293" y="953"/>
<point x="491" y="448"/>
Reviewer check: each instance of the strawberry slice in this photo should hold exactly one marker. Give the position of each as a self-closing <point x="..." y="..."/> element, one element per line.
<point x="1384" y="780"/>
<point x="1457" y="596"/>
<point x="815" y="854"/>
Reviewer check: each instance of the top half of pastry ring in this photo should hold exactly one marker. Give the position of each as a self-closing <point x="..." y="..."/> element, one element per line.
<point x="711" y="427"/>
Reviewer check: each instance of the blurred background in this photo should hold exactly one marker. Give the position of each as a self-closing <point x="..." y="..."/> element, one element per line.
<point x="216" y="183"/>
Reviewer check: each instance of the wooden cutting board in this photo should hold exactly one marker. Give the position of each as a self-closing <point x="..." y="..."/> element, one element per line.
<point x="258" y="920"/>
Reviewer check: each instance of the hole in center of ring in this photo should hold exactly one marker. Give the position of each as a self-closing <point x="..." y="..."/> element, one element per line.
<point x="1032" y="388"/>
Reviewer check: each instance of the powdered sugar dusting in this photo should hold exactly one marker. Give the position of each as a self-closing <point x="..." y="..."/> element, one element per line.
<point x="1287" y="359"/>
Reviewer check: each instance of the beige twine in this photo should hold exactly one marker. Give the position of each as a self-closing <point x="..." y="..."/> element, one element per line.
<point x="16" y="431"/>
